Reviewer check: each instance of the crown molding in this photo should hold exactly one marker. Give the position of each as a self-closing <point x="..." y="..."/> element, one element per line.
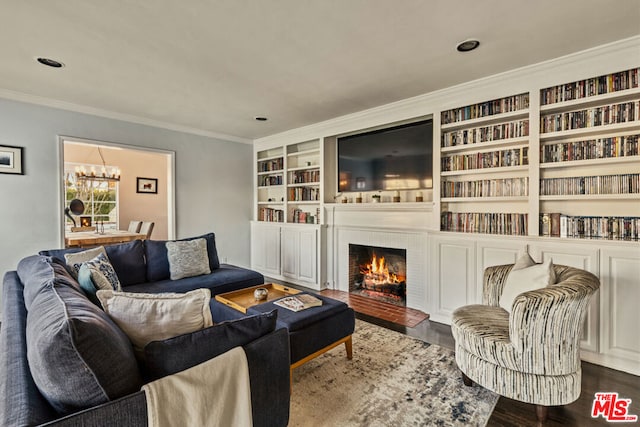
<point x="472" y="91"/>
<point x="85" y="109"/>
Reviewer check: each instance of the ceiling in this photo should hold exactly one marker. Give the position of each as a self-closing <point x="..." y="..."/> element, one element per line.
<point x="211" y="66"/>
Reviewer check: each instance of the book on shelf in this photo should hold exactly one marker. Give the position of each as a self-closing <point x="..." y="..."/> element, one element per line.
<point x="298" y="302"/>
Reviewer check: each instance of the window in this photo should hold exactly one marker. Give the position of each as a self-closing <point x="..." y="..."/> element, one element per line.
<point x="100" y="197"/>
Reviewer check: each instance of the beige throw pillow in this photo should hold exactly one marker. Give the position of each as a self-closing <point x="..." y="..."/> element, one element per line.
<point x="188" y="258"/>
<point x="74" y="260"/>
<point x="526" y="279"/>
<point x="151" y="317"/>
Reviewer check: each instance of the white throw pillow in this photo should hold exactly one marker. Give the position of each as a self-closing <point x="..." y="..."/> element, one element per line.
<point x="74" y="260"/>
<point x="152" y="317"/>
<point x="188" y="258"/>
<point x="526" y="279"/>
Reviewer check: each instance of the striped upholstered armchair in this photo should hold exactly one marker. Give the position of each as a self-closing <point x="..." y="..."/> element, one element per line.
<point x="533" y="353"/>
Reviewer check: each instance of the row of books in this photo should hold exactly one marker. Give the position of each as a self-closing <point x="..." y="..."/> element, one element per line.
<point x="514" y="224"/>
<point x="606" y="184"/>
<point x="298" y="194"/>
<point x="270" y="215"/>
<point x="601" y="148"/>
<point x="597" y="116"/>
<point x="590" y="227"/>
<point x="495" y="132"/>
<point x="271" y="165"/>
<point x="486" y="188"/>
<point x="304" y="177"/>
<point x="484" y="109"/>
<point x="298" y="216"/>
<point x="492" y="159"/>
<point x="266" y="180"/>
<point x="590" y="87"/>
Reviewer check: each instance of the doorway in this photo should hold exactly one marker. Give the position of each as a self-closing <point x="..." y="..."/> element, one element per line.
<point x="117" y="183"/>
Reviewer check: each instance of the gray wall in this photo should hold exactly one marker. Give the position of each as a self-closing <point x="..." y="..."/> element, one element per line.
<point x="213" y="180"/>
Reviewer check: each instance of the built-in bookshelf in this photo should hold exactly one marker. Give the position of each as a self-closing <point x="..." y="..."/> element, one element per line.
<point x="288" y="183"/>
<point x="589" y="158"/>
<point x="484" y="158"/>
<point x="270" y="185"/>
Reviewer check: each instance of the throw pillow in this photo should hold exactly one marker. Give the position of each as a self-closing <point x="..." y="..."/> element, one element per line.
<point x="526" y="279"/>
<point x="102" y="273"/>
<point x="523" y="262"/>
<point x="77" y="356"/>
<point x="75" y="259"/>
<point x="157" y="265"/>
<point x="151" y="317"/>
<point x="86" y="284"/>
<point x="187" y="258"/>
<point x="162" y="358"/>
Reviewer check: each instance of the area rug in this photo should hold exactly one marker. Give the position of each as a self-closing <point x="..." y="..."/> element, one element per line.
<point x="392" y="380"/>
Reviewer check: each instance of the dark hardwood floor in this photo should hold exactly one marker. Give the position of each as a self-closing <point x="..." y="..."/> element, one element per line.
<point x="513" y="413"/>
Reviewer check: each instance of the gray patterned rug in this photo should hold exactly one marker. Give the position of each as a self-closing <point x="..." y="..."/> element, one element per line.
<point x="392" y="380"/>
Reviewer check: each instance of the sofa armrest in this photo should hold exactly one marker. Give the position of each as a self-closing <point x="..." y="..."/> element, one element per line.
<point x="21" y="402"/>
<point x="130" y="411"/>
<point x="269" y="371"/>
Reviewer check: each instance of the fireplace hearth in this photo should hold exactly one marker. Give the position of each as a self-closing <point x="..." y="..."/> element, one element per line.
<point x="379" y="273"/>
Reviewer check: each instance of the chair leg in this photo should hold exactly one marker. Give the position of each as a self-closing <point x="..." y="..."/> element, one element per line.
<point x="542" y="412"/>
<point x="466" y="380"/>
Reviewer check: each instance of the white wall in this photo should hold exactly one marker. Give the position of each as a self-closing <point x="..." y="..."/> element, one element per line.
<point x="213" y="180"/>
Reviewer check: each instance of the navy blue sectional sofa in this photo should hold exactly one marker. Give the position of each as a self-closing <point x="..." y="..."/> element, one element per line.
<point x="93" y="365"/>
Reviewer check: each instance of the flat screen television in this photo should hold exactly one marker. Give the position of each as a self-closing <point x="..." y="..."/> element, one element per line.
<point x="394" y="158"/>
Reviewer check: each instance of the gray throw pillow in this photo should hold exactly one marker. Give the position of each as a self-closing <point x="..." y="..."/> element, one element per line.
<point x="187" y="258"/>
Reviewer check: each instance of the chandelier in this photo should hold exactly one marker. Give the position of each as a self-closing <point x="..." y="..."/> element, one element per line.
<point x="92" y="175"/>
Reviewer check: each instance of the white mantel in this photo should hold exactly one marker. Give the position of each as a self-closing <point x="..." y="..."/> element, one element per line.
<point x="391" y="225"/>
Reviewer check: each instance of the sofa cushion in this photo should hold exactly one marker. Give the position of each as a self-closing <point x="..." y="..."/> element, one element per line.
<point x="157" y="267"/>
<point x="77" y="356"/>
<point x="39" y="272"/>
<point x="225" y="279"/>
<point x="187" y="258"/>
<point x="127" y="259"/>
<point x="149" y="317"/>
<point x="182" y="352"/>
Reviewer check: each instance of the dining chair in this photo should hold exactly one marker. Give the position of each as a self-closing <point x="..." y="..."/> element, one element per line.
<point x="134" y="226"/>
<point x="146" y="228"/>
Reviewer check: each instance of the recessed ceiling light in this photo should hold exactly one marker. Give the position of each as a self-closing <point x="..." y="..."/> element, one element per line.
<point x="50" y="62"/>
<point x="467" y="45"/>
<point x="260" y="119"/>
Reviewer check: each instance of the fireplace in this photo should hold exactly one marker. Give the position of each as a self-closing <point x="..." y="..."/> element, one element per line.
<point x="379" y="273"/>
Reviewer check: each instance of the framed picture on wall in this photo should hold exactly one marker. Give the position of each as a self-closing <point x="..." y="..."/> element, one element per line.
<point x="11" y="159"/>
<point x="147" y="185"/>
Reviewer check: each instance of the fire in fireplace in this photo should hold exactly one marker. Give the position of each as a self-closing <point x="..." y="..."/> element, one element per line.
<point x="378" y="273"/>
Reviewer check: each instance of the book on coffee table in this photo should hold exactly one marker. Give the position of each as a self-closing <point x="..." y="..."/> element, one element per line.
<point x="299" y="302"/>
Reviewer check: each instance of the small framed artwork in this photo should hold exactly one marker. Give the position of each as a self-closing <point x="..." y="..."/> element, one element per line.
<point x="147" y="185"/>
<point x="11" y="159"/>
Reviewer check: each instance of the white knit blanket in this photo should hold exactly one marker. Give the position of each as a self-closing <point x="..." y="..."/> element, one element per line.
<point x="213" y="393"/>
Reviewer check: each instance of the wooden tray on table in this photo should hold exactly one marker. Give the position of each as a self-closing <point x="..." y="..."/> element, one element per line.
<point x="243" y="299"/>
